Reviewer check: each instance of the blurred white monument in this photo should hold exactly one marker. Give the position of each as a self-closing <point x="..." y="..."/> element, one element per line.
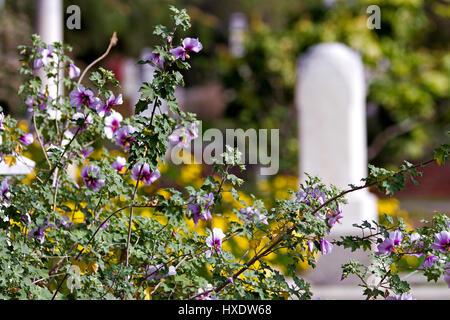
<point x="330" y="97"/>
<point x="49" y="25"/>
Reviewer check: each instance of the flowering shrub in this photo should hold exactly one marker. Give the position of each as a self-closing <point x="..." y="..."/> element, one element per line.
<point x="113" y="253"/>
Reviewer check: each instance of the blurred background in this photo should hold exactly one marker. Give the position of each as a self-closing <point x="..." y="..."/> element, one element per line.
<point x="245" y="76"/>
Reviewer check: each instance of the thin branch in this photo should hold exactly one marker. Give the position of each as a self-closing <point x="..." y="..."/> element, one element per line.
<point x="388" y="134"/>
<point x="279" y="238"/>
<point x="112" y="43"/>
<point x="39" y="139"/>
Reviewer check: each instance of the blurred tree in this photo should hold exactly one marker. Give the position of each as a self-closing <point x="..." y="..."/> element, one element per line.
<point x="407" y="59"/>
<point x="407" y="62"/>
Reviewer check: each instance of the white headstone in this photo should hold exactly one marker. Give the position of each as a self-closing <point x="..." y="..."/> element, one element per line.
<point x="330" y="97"/>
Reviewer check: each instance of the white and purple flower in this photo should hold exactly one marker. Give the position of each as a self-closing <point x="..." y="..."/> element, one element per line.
<point x="182" y="136"/>
<point x="310" y="246"/>
<point x="403" y="296"/>
<point x="86" y="152"/>
<point x="334" y="216"/>
<point x="112" y="124"/>
<point x="325" y="246"/>
<point x="26" y="218"/>
<point x="119" y="164"/>
<point x="4" y="189"/>
<point x="74" y="71"/>
<point x="44" y="57"/>
<point x="142" y="172"/>
<point x="87" y="121"/>
<point x="91" y="177"/>
<point x="39" y="232"/>
<point x="389" y="244"/>
<point x="106" y="108"/>
<point x="189" y="44"/>
<point x="83" y="97"/>
<point x="252" y="215"/>
<point x="214" y="241"/>
<point x="2" y="117"/>
<point x="201" y="209"/>
<point x="155" y="60"/>
<point x="205" y="294"/>
<point x="447" y="274"/>
<point x="124" y="137"/>
<point x="154" y="272"/>
<point x="441" y="241"/>
<point x="26" y="139"/>
<point x="311" y="194"/>
<point x="429" y="262"/>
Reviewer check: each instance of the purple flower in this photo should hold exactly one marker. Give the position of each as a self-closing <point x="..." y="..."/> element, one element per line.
<point x="394" y="239"/>
<point x="83" y="97"/>
<point x="42" y="101"/>
<point x="214" y="241"/>
<point x="189" y="44"/>
<point x="403" y="296"/>
<point x="26" y="218"/>
<point x="105" y="225"/>
<point x="91" y="177"/>
<point x="2" y="116"/>
<point x="65" y="222"/>
<point x="27" y="139"/>
<point x="441" y="241"/>
<point x="119" y="163"/>
<point x="311" y="194"/>
<point x="310" y="245"/>
<point x="325" y="246"/>
<point x="44" y="57"/>
<point x="4" y="189"/>
<point x="334" y="216"/>
<point x="429" y="261"/>
<point x="87" y="151"/>
<point x="146" y="176"/>
<point x="74" y="71"/>
<point x="155" y="60"/>
<point x="124" y="138"/>
<point x="39" y="232"/>
<point x="447" y="274"/>
<point x="251" y="214"/>
<point x="201" y="209"/>
<point x="207" y="293"/>
<point x="414" y="237"/>
<point x="182" y="136"/>
<point x="106" y="108"/>
<point x="112" y="124"/>
<point x="154" y="272"/>
<point x="87" y="121"/>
